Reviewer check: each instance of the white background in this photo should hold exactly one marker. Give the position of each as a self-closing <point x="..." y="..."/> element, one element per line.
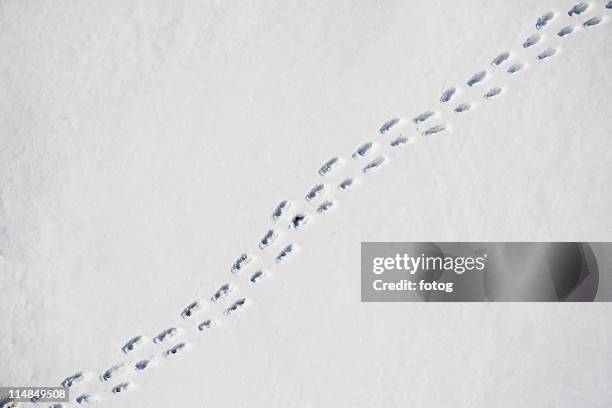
<point x="144" y="145"/>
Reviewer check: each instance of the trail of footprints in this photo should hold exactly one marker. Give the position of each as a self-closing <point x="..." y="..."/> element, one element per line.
<point x="324" y="191"/>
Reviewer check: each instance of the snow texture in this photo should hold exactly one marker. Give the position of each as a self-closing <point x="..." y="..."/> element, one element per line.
<point x="145" y="147"/>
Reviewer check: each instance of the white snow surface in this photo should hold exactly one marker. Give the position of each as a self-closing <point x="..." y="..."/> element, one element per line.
<point x="145" y="144"/>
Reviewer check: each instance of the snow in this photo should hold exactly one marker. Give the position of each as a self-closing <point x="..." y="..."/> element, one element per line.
<point x="145" y="145"/>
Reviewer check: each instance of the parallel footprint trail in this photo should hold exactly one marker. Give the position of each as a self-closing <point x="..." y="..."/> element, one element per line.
<point x="334" y="167"/>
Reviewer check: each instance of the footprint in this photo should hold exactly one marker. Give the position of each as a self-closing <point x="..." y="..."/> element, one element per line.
<point x="493" y="92"/>
<point x="532" y="40"/>
<point x="565" y="31"/>
<point x="345" y="184"/>
<point x="236" y="306"/>
<point x="315" y="192"/>
<point x="85" y="399"/>
<point x="132" y="344"/>
<point x="34" y="400"/>
<point x="222" y="292"/>
<point x="388" y="125"/>
<point x="363" y="150"/>
<point x="285" y="253"/>
<point x="578" y="9"/>
<point x="281" y="209"/>
<point x="476" y="78"/>
<point x="50" y="406"/>
<point x="206" y="325"/>
<point x="268" y="239"/>
<point x="175" y="349"/>
<point x="119" y="388"/>
<point x="190" y="310"/>
<point x="299" y="220"/>
<point x="549" y="52"/>
<point x="73" y="379"/>
<point x="514" y="68"/>
<point x="329" y="166"/>
<point x="142" y="365"/>
<point x="400" y="140"/>
<point x="464" y="107"/>
<point x="257" y="276"/>
<point x="497" y="61"/>
<point x="434" y="130"/>
<point x="240" y="263"/>
<point x="423" y="116"/>
<point x="609" y="5"/>
<point x="325" y="206"/>
<point x="9" y="403"/>
<point x="165" y="335"/>
<point x="593" y="21"/>
<point x="543" y="21"/>
<point x="373" y="165"/>
<point x="448" y="94"/>
<point x="111" y="372"/>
